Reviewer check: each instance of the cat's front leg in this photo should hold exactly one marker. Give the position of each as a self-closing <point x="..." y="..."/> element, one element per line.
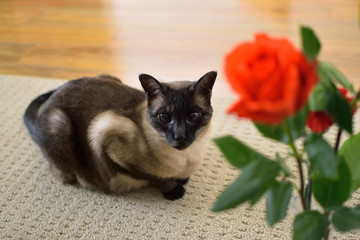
<point x="171" y="189"/>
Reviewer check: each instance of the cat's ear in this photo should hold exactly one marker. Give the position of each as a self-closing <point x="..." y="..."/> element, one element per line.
<point x="205" y="84"/>
<point x="151" y="86"/>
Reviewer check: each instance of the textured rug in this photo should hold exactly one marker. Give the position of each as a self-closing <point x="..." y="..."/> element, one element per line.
<point x="34" y="205"/>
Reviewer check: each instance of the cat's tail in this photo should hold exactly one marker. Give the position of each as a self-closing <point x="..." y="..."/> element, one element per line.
<point x="32" y="111"/>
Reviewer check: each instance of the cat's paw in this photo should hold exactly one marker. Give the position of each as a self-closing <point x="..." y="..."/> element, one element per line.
<point x="176" y="193"/>
<point x="182" y="181"/>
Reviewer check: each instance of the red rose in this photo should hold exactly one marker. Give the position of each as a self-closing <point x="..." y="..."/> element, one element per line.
<point x="319" y="121"/>
<point x="272" y="77"/>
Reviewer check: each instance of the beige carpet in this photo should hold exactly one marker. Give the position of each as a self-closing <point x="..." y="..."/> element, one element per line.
<point x="34" y="205"/>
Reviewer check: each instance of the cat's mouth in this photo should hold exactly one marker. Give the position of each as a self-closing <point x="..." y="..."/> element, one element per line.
<point x="179" y="145"/>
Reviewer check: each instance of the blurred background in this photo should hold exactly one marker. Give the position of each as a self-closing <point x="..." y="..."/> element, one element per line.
<point x="169" y="39"/>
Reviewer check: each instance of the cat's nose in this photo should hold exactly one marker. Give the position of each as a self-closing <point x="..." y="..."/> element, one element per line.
<point x="179" y="131"/>
<point x="180" y="136"/>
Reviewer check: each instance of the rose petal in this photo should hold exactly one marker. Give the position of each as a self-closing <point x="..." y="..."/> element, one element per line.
<point x="235" y="65"/>
<point x="319" y="121"/>
<point x="252" y="111"/>
<point x="292" y="86"/>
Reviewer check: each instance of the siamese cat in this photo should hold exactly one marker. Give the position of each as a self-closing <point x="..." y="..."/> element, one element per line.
<point x="107" y="136"/>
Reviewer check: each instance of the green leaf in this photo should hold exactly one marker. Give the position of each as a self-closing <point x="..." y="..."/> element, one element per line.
<point x="339" y="109"/>
<point x="237" y="153"/>
<point x="297" y="123"/>
<point x="350" y="150"/>
<point x="326" y="97"/>
<point x="331" y="194"/>
<point x="335" y="75"/>
<point x="278" y="132"/>
<point x="255" y="178"/>
<point x="308" y="194"/>
<point x="346" y="219"/>
<point x="310" y="43"/>
<point x="284" y="167"/>
<point x="310" y="225"/>
<point x="317" y="99"/>
<point x="277" y="201"/>
<point x="322" y="157"/>
<point x="325" y="78"/>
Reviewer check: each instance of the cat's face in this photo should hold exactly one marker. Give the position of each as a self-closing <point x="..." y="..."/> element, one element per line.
<point x="179" y="110"/>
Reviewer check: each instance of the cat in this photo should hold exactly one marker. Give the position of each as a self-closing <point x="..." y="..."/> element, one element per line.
<point x="107" y="136"/>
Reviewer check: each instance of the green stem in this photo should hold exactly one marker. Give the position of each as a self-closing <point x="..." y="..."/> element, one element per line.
<point x="338" y="137"/>
<point x="299" y="163"/>
<point x="308" y="192"/>
<point x="328" y="230"/>
<point x="327" y="234"/>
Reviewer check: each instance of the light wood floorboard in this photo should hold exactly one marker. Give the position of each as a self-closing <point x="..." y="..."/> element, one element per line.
<point x="171" y="40"/>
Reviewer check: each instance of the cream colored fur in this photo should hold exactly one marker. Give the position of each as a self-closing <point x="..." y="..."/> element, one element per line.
<point x="122" y="183"/>
<point x="170" y="161"/>
<point x="57" y="120"/>
<point x="145" y="148"/>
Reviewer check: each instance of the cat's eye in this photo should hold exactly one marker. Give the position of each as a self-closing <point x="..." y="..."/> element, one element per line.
<point x="164" y="117"/>
<point x="193" y="117"/>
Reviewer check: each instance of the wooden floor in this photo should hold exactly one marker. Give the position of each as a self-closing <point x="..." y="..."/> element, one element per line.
<point x="168" y="39"/>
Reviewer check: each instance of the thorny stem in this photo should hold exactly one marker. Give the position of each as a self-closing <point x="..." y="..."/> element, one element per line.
<point x="299" y="163"/>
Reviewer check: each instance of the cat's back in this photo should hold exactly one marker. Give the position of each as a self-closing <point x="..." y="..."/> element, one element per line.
<point x="77" y="117"/>
<point x="86" y="97"/>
